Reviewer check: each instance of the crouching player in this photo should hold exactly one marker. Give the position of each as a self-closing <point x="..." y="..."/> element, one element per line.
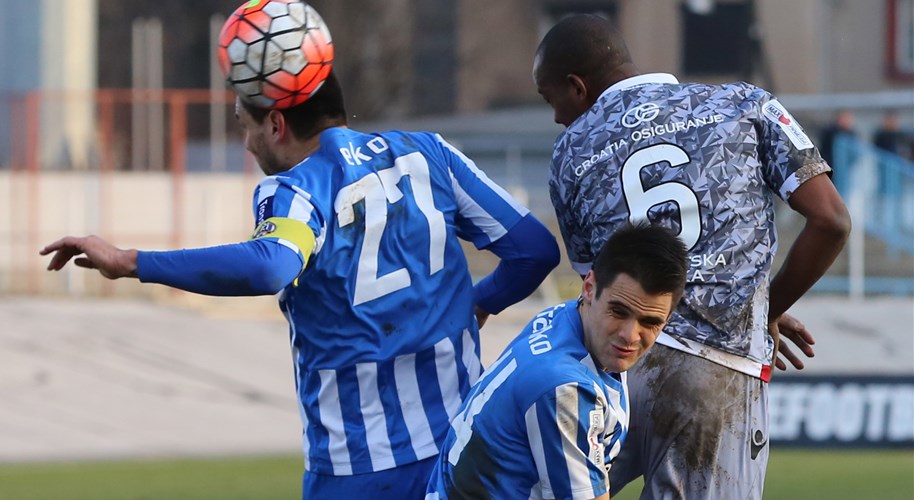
<point x="549" y="416"/>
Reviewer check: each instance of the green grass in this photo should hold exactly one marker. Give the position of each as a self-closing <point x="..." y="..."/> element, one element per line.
<point x="791" y="475"/>
<point x="221" y="478"/>
<point x="802" y="474"/>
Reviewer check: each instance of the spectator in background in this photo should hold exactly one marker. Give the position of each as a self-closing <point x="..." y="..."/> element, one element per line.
<point x="895" y="149"/>
<point x="889" y="137"/>
<point x="843" y="125"/>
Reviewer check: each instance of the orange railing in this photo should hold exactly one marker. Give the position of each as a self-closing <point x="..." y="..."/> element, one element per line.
<point x="38" y="136"/>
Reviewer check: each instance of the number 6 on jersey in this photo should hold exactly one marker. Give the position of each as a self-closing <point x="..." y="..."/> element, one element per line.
<point x="640" y="200"/>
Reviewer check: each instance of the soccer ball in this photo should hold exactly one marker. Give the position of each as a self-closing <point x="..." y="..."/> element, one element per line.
<point x="275" y="53"/>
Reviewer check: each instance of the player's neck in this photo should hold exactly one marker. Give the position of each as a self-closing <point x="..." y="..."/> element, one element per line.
<point x="621" y="72"/>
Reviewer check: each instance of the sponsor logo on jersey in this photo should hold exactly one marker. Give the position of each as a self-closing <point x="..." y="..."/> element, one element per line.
<point x="774" y="111"/>
<point x="645" y="133"/>
<point x="644" y="113"/>
<point x="593" y="437"/>
<point x="264" y="210"/>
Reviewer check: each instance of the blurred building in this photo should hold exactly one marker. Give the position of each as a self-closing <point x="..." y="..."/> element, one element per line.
<point x="413" y="57"/>
<point x="49" y="46"/>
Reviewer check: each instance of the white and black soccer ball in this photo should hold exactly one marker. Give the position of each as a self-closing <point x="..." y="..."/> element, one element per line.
<point x="275" y="53"/>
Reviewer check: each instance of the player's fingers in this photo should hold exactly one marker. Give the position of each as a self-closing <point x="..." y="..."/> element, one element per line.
<point x="796" y="328"/>
<point x="790" y="356"/>
<point x="86" y="263"/>
<point x="65" y="242"/>
<point x="779" y="364"/>
<point x="802" y="342"/>
<point x="61" y="257"/>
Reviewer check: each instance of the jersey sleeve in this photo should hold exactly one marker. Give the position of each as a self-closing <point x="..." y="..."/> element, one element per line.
<point x="788" y="156"/>
<point x="285" y="213"/>
<point x="486" y="212"/>
<point x="561" y="190"/>
<point x="566" y="431"/>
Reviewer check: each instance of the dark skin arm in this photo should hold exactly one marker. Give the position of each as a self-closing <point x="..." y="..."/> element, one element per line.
<point x="827" y="227"/>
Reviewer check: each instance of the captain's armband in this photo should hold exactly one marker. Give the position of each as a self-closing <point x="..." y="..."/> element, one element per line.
<point x="290" y="233"/>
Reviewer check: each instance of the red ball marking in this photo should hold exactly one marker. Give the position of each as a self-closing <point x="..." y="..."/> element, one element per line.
<point x="275" y="88"/>
<point x="259" y="19"/>
<point x="321" y="76"/>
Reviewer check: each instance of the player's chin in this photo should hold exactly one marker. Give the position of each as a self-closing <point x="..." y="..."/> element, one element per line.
<point x="622" y="361"/>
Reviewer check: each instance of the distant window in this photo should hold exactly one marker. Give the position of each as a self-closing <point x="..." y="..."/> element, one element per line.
<point x="717" y="42"/>
<point x="900" y="39"/>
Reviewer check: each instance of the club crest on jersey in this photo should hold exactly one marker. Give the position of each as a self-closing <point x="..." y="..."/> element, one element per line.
<point x="774" y="111"/>
<point x="263" y="230"/>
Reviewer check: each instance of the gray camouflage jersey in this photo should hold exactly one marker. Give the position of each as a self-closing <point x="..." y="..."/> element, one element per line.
<point x="705" y="161"/>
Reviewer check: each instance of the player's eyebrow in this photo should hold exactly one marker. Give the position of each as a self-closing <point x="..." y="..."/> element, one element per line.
<point x="618" y="304"/>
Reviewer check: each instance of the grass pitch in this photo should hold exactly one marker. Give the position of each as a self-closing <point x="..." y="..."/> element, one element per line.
<point x="791" y="475"/>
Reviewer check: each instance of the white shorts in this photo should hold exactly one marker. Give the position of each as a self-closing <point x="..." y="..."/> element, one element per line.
<point x="698" y="430"/>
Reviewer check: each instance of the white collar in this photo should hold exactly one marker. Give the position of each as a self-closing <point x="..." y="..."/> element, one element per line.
<point x="639" y="80"/>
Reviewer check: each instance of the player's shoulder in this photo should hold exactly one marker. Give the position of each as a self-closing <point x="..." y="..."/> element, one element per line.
<point x="549" y="350"/>
<point x="745" y="91"/>
<point x="421" y="140"/>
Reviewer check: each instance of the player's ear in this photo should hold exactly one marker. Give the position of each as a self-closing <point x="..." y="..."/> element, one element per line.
<point x="588" y="289"/>
<point x="578" y="87"/>
<point x="278" y="125"/>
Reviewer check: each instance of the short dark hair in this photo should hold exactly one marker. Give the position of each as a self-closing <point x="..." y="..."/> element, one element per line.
<point x="585" y="45"/>
<point x="652" y="255"/>
<point x="326" y="108"/>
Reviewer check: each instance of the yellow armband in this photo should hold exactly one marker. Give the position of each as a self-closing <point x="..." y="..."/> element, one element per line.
<point x="293" y="231"/>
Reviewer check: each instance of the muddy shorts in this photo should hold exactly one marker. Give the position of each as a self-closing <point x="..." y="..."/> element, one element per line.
<point x="698" y="430"/>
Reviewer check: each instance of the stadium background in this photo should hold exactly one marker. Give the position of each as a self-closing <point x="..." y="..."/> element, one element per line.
<point x="113" y="122"/>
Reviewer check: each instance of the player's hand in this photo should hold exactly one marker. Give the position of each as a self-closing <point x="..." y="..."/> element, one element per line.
<point x="481" y="316"/>
<point x="111" y="262"/>
<point x="796" y="332"/>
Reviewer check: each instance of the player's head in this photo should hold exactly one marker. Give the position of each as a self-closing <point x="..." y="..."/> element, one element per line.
<point x="628" y="295"/>
<point x="577" y="60"/>
<point x="275" y="137"/>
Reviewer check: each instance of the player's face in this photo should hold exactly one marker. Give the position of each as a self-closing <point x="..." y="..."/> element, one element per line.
<point x="561" y="94"/>
<point x="623" y="322"/>
<point x="257" y="140"/>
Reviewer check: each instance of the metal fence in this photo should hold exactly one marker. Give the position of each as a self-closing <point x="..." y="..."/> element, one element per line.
<point x="73" y="156"/>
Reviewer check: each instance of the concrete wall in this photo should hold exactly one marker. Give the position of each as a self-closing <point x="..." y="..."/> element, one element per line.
<point x="134" y="210"/>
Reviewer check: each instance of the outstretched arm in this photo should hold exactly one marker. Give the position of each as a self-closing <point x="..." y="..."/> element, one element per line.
<point x="111" y="262"/>
<point x="257" y="267"/>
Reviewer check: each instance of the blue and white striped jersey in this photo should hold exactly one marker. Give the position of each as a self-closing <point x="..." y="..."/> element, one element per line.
<point x="384" y="341"/>
<point x="542" y="422"/>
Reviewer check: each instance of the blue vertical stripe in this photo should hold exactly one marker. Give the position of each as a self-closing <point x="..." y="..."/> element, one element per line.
<point x="430" y="390"/>
<point x="357" y="443"/>
<point x="396" y="426"/>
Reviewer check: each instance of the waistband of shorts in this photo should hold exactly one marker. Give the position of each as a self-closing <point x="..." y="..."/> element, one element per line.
<point x="734" y="362"/>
